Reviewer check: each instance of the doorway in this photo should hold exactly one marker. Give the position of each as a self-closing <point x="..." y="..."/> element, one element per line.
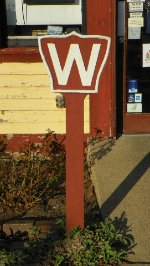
<point x="133" y="75"/>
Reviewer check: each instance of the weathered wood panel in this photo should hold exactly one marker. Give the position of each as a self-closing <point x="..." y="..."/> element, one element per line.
<point x="23" y="68"/>
<point x="27" y="105"/>
<point x="39" y="80"/>
<point x="35" y="128"/>
<point x="35" y="116"/>
<point x="32" y="128"/>
<point x="27" y="93"/>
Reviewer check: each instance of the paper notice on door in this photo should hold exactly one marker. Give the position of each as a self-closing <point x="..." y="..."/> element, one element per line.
<point x="136" y="22"/>
<point x="135" y="6"/>
<point x="134" y="107"/>
<point x="134" y="33"/>
<point x="136" y="14"/>
<point x="146" y="55"/>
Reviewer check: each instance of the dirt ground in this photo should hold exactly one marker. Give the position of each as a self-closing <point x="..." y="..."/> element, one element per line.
<point x="54" y="209"/>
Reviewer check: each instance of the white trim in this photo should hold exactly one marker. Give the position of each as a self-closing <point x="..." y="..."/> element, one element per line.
<point x="83" y="37"/>
<point x="24" y="14"/>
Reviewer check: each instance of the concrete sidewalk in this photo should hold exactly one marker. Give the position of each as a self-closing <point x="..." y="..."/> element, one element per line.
<point x="121" y="177"/>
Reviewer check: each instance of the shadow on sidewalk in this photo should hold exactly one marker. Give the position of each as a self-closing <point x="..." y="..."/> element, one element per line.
<point x="96" y="153"/>
<point x="124" y="188"/>
<point x="98" y="149"/>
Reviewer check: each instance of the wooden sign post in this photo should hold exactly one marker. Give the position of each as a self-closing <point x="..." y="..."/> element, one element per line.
<point x="75" y="63"/>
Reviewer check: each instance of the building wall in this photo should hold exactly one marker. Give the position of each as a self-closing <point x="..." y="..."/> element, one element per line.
<point x="27" y="106"/>
<point x="101" y="19"/>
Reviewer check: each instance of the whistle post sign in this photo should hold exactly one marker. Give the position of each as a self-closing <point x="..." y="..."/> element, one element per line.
<point x="75" y="62"/>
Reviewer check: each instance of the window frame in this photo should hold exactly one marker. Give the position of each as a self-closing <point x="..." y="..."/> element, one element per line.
<point x="15" y="54"/>
<point x="23" y="54"/>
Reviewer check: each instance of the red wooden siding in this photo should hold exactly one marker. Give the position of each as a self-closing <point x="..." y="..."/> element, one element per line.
<point x="101" y="20"/>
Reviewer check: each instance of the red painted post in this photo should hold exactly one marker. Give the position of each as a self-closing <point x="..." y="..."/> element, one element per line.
<point x="74" y="160"/>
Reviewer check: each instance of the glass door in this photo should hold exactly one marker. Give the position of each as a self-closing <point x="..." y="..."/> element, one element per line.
<point x="136" y="117"/>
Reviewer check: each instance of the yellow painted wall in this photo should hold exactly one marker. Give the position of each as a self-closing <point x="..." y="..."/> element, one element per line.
<point x="27" y="106"/>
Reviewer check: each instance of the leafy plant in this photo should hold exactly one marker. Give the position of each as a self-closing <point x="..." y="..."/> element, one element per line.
<point x="103" y="243"/>
<point x="8" y="258"/>
<point x="34" y="231"/>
